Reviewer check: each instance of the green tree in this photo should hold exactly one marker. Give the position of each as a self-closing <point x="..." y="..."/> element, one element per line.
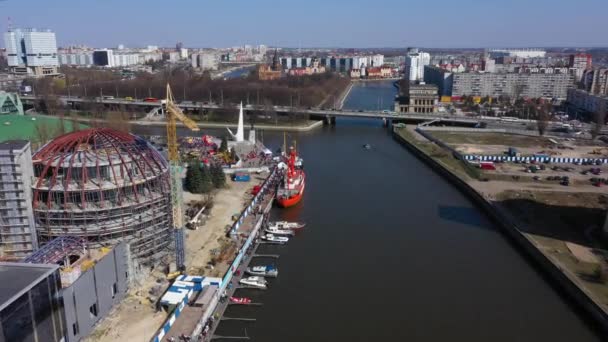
<point x="224" y="144"/>
<point x="194" y="179"/>
<point x="218" y="178"/>
<point x="206" y="180"/>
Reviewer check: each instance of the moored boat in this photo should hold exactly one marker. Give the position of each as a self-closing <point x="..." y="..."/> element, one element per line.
<point x="286" y="225"/>
<point x="240" y="300"/>
<point x="264" y="271"/>
<point x="255" y="281"/>
<point x="291" y="188"/>
<point x="279" y="232"/>
<point x="275" y="239"/>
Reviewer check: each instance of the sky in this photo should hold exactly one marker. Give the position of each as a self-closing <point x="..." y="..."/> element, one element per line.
<point x="316" y="23"/>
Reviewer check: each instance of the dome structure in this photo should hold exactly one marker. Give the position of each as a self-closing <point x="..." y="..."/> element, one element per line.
<point x="105" y="186"/>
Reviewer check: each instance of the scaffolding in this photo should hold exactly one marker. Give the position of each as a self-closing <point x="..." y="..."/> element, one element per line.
<point x="103" y="186"/>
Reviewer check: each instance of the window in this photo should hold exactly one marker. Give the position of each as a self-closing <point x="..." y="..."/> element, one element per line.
<point x="93" y="311"/>
<point x="113" y="290"/>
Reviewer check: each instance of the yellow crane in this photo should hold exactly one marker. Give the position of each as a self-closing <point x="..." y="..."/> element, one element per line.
<point x="172" y="114"/>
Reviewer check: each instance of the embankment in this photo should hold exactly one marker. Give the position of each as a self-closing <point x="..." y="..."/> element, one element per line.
<point x="563" y="279"/>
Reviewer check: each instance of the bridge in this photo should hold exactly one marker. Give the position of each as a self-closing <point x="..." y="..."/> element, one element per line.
<point x="313" y="112"/>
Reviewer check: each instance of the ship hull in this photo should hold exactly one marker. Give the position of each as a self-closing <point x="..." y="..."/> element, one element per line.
<point x="291" y="201"/>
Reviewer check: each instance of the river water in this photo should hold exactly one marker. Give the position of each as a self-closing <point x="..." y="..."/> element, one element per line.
<point x="392" y="252"/>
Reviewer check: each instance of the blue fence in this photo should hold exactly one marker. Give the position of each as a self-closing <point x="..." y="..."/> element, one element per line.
<point x="559" y="160"/>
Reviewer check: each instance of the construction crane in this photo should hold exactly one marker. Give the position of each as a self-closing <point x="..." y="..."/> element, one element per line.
<point x="172" y="114"/>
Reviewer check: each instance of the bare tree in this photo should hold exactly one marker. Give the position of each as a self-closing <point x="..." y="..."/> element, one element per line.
<point x="542" y="121"/>
<point x="118" y="121"/>
<point x="269" y="111"/>
<point x="599" y="120"/>
<point x="42" y="133"/>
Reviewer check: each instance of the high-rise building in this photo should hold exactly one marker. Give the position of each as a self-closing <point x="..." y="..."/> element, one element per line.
<point x="415" y="62"/>
<point x="103" y="57"/>
<point x="581" y="61"/>
<point x="17" y="227"/>
<point x="441" y="78"/>
<point x="31" y="52"/>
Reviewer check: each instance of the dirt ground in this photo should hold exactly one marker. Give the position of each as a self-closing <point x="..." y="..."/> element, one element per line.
<point x="135" y="318"/>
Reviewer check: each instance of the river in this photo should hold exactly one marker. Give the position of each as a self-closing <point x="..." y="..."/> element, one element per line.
<point x="392" y="252"/>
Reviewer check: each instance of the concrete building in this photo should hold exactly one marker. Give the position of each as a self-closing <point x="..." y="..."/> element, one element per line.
<point x="76" y="58"/>
<point x="10" y="103"/>
<point x="11" y="82"/>
<point x="17" y="227"/>
<point x="595" y="81"/>
<point x="415" y="62"/>
<point x="183" y="53"/>
<point x="104" y="58"/>
<point x="106" y="187"/>
<point x="442" y="78"/>
<point x="532" y="85"/>
<point x="521" y="53"/>
<point x="421" y="98"/>
<point x="30" y="304"/>
<point x="205" y="61"/>
<point x="31" y="52"/>
<point x="584" y="102"/>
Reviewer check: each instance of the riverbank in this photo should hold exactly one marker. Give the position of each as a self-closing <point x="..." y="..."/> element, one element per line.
<point x="344" y="95"/>
<point x="455" y="171"/>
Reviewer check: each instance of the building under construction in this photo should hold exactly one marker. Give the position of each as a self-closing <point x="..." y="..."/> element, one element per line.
<point x="104" y="186"/>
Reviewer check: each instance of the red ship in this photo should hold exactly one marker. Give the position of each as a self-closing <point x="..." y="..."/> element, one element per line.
<point x="291" y="188"/>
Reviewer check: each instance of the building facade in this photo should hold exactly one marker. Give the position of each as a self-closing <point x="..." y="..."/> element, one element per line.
<point x="595" y="81"/>
<point x="442" y="78"/>
<point x="17" y="227"/>
<point x="31" y="52"/>
<point x="583" y="101"/>
<point x="532" y="85"/>
<point x="31" y="308"/>
<point x="415" y="61"/>
<point x="421" y="98"/>
<point x="10" y="103"/>
<point x="205" y="61"/>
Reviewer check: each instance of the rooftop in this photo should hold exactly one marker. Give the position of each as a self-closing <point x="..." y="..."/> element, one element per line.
<point x="13" y="144"/>
<point x="18" y="278"/>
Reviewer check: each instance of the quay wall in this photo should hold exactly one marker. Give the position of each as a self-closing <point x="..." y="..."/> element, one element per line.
<point x="564" y="280"/>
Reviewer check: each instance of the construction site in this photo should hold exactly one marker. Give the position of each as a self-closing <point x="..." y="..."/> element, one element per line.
<point x="103" y="186"/>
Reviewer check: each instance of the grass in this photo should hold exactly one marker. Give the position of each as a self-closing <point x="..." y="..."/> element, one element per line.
<point x="24" y="126"/>
<point x="515" y="140"/>
<point x="461" y="168"/>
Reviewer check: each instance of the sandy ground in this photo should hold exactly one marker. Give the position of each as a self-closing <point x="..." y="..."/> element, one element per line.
<point x="200" y="243"/>
<point x="135" y="318"/>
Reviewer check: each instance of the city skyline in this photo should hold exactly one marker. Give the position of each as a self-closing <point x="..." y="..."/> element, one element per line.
<point x="471" y="24"/>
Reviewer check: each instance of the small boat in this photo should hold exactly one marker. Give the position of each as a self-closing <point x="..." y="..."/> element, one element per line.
<point x="285" y="225"/>
<point x="264" y="271"/>
<point x="258" y="282"/>
<point x="367" y="146"/>
<point x="275" y="239"/>
<point x="279" y="232"/>
<point x="240" y="300"/>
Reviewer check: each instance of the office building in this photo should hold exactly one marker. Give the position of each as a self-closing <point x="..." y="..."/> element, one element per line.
<point x="531" y="85"/>
<point x="17" y="227"/>
<point x="31" y="308"/>
<point x="421" y="98"/>
<point x="103" y="58"/>
<point x="31" y="52"/>
<point x="442" y="78"/>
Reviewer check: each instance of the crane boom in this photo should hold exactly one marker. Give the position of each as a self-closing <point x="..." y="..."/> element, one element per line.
<point x="172" y="114"/>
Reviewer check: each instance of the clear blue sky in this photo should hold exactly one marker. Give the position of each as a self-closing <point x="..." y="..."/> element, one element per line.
<point x="320" y="23"/>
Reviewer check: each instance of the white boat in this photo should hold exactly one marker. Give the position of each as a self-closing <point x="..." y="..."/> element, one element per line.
<point x="255" y="281"/>
<point x="264" y="271"/>
<point x="285" y="225"/>
<point x="275" y="239"/>
<point x="279" y="232"/>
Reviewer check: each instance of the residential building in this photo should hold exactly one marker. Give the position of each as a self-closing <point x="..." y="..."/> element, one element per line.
<point x="205" y="61"/>
<point x="266" y="73"/>
<point x="31" y="308"/>
<point x="581" y="61"/>
<point x="31" y="52"/>
<point x="103" y="58"/>
<point x="584" y="102"/>
<point x="521" y="53"/>
<point x="314" y="68"/>
<point x="421" y="98"/>
<point x="17" y="226"/>
<point x="595" y="81"/>
<point x="76" y="59"/>
<point x="532" y="85"/>
<point x="183" y="53"/>
<point x="442" y="78"/>
<point x="415" y="62"/>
